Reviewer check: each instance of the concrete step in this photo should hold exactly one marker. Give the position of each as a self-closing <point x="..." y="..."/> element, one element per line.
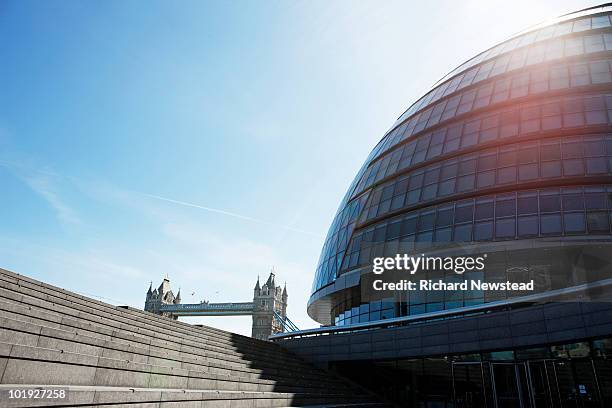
<point x="88" y="396"/>
<point x="220" y="336"/>
<point x="12" y="291"/>
<point x="27" y="334"/>
<point x="34" y="333"/>
<point x="56" y="315"/>
<point x="53" y="337"/>
<point x="38" y="365"/>
<point x="265" y="346"/>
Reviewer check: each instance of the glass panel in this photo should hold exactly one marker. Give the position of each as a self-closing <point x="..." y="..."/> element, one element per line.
<point x="468" y="385"/>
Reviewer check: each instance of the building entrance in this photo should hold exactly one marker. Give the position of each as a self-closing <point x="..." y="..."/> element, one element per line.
<point x="532" y="384"/>
<point x="573" y="375"/>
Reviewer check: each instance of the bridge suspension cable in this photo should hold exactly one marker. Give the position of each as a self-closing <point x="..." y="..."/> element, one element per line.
<point x="286" y="323"/>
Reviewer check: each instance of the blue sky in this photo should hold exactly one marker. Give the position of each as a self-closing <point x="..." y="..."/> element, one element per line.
<point x="123" y="123"/>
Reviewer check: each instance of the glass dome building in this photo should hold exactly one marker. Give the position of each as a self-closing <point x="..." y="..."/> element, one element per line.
<point x="510" y="154"/>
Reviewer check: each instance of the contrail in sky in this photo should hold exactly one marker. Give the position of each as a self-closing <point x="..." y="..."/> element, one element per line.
<point x="15" y="165"/>
<point x="230" y="214"/>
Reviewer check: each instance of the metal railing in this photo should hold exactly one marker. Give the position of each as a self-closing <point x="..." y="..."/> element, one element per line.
<point x="443" y="314"/>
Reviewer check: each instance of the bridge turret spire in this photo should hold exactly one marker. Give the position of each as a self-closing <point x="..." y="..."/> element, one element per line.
<point x="257" y="289"/>
<point x="270" y="282"/>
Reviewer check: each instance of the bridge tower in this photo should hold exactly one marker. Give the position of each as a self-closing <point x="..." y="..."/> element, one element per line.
<point x="161" y="296"/>
<point x="268" y="300"/>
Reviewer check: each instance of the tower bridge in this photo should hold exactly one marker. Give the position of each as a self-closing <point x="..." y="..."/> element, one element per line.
<point x="268" y="308"/>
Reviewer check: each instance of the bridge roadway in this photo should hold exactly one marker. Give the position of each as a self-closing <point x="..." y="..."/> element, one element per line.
<point x="209" y="309"/>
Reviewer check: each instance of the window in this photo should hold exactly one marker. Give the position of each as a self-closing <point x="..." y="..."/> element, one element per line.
<point x="484" y="209"/>
<point x="596" y="165"/>
<point x="528" y="172"/>
<point x="600" y="71"/>
<point x="379" y="234"/>
<point x="572" y="149"/>
<point x="597" y="221"/>
<point x="559" y="76"/>
<point x="550" y="224"/>
<point x="397" y="202"/>
<point x="551" y="116"/>
<point x="463" y="233"/>
<point x="572" y="119"/>
<point x="449" y="170"/>
<point x="539" y="81"/>
<point x="483" y="231"/>
<point x="431" y="176"/>
<point x="467" y="166"/>
<point x="429" y="192"/>
<point x="530" y="119"/>
<point x="573" y="167"/>
<point x="549" y="202"/>
<point x="465" y="183"/>
<point x="464" y="212"/>
<point x="426" y="220"/>
<point x="527" y="226"/>
<point x="528" y="154"/>
<point x="506" y="175"/>
<point x="509" y="123"/>
<point x="416" y="181"/>
<point x="413" y="197"/>
<point x="594" y="147"/>
<point x="573" y="222"/>
<point x="443" y="235"/>
<point x="486" y="179"/>
<point x="572" y="201"/>
<point x="393" y="230"/>
<point x="595" y="109"/>
<point x="409" y="225"/>
<point x="550" y="151"/>
<point x="505" y="207"/>
<point x="469" y="139"/>
<point x="551" y="169"/>
<point x="507" y="157"/>
<point x="424" y="239"/>
<point x="579" y="74"/>
<point x="527" y="203"/>
<point x="595" y="200"/>
<point x="445" y="217"/>
<point x="501" y="89"/>
<point x="504" y="228"/>
<point x="520" y="85"/>
<point x="487" y="161"/>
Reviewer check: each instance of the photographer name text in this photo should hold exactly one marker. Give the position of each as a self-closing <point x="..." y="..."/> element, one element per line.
<point x="432" y="285"/>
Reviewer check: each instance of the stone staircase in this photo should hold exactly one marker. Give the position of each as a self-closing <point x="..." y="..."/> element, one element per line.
<point x="101" y="355"/>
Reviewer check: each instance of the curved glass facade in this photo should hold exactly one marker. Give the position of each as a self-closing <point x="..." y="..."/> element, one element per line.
<point x="511" y="150"/>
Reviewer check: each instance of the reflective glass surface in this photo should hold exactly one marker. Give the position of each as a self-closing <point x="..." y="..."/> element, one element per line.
<point x="513" y="146"/>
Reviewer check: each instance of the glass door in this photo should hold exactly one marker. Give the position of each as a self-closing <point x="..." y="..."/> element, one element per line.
<point x="577" y="384"/>
<point x="510" y="385"/>
<point x="468" y="385"/>
<point x="541" y="390"/>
